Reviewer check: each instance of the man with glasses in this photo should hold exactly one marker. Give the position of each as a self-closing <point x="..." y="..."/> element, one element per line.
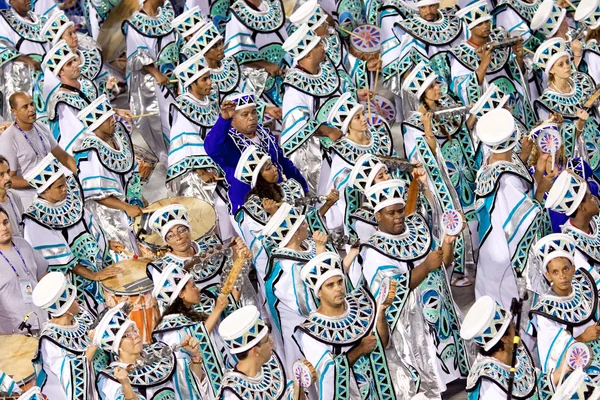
<point x="236" y="129"/>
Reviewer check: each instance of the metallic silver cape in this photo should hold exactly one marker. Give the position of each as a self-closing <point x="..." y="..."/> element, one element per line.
<point x="191" y="185"/>
<point x="308" y="160"/>
<point x="112" y="222"/>
<point x="15" y="76"/>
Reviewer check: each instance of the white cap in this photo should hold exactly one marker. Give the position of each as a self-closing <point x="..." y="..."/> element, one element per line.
<point x="547" y="18"/>
<point x="163" y="219"/>
<point x="45" y="173"/>
<point x="57" y="57"/>
<point x="343" y="111"/>
<point x="566" y="194"/>
<point x="192" y="69"/>
<point x="549" y="52"/>
<point x="301" y="42"/>
<point x="55" y="27"/>
<point x="243" y="329"/>
<point x="283" y="224"/>
<point x="554" y="246"/>
<point x="242" y="100"/>
<point x="96" y="113"/>
<point x="54" y="294"/>
<point x="364" y="171"/>
<point x="309" y="13"/>
<point x="474" y="14"/>
<point x="492" y="99"/>
<point x="188" y="22"/>
<point x="318" y="270"/>
<point x="111" y="328"/>
<point x="171" y="282"/>
<point x="385" y="194"/>
<point x="588" y="11"/>
<point x="485" y="323"/>
<point x="250" y="164"/>
<point x="417" y="82"/>
<point x="498" y="130"/>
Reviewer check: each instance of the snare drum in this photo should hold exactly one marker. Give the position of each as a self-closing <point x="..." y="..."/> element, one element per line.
<point x="134" y="286"/>
<point x="365" y="43"/>
<point x="16" y="353"/>
<point x="146" y="162"/>
<point x="203" y="218"/>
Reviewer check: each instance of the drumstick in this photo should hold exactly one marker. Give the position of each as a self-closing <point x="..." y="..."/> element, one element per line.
<point x="528" y="51"/>
<point x="144" y="115"/>
<point x="571" y="4"/>
<point x="350" y="33"/>
<point x="376" y="76"/>
<point x="173" y="80"/>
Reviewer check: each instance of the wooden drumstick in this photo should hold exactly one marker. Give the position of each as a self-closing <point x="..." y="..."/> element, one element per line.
<point x="233" y="275"/>
<point x="389" y="298"/>
<point x="350" y="32"/>
<point x="376" y="75"/>
<point x="144" y="115"/>
<point x="570" y="4"/>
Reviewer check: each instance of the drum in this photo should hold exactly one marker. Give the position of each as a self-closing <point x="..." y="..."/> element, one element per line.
<point x="16" y="353"/>
<point x="146" y="162"/>
<point x="133" y="286"/>
<point x="365" y="42"/>
<point x="380" y="105"/>
<point x="203" y="218"/>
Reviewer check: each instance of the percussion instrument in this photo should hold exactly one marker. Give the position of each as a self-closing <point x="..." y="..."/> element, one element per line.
<point x="375" y="119"/>
<point x="453" y="111"/>
<point x="234" y="274"/>
<point x="307" y="201"/>
<point x="133" y="286"/>
<point x="146" y="162"/>
<point x="508" y="42"/>
<point x="452" y="222"/>
<point x="203" y="218"/>
<point x="579" y="355"/>
<point x="365" y="42"/>
<point x="383" y="107"/>
<point x="394" y="164"/>
<point x="339" y="240"/>
<point x="549" y="139"/>
<point x="125" y="123"/>
<point x="592" y="100"/>
<point x="304" y="373"/>
<point x="387" y="293"/>
<point x="16" y="353"/>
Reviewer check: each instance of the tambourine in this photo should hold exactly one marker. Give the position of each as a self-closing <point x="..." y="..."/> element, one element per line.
<point x="549" y="141"/>
<point x="304" y="373"/>
<point x="579" y="355"/>
<point x="380" y="105"/>
<point x="452" y="222"/>
<point x="387" y="291"/>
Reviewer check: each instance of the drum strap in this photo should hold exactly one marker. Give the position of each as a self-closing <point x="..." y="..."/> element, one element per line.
<point x="74" y="89"/>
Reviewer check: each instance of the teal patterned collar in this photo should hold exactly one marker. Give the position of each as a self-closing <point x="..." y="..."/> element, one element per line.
<point x="61" y="215"/>
<point x="269" y="384"/>
<point x="466" y="55"/>
<point x="334" y="48"/>
<point x="587" y="243"/>
<point x="73" y="338"/>
<point x="90" y="57"/>
<point x="593" y="46"/>
<point x="173" y="322"/>
<point x="227" y="76"/>
<point x="270" y="20"/>
<point x="154" y="27"/>
<point x="324" y="84"/>
<point x="489" y="175"/>
<point x="72" y="99"/>
<point x="27" y="29"/>
<point x="302" y="255"/>
<point x="495" y="371"/>
<point x="436" y="33"/>
<point x="152" y="374"/>
<point x="412" y="244"/>
<point x="347" y="329"/>
<point x="567" y="104"/>
<point x="525" y="10"/>
<point x="119" y="160"/>
<point x="292" y="189"/>
<point x="203" y="113"/>
<point x="380" y="143"/>
<point x="574" y="310"/>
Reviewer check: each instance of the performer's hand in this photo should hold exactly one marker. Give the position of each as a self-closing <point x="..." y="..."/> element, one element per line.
<point x="545" y="183"/>
<point x="161" y="78"/>
<point x="65" y="5"/>
<point x="240" y="249"/>
<point x="364" y="94"/>
<point x="227" y="109"/>
<point x="582" y="117"/>
<point x="374" y="65"/>
<point x="273" y="69"/>
<point x="33" y="64"/>
<point x="332" y="197"/>
<point x="420" y="174"/>
<point x="557" y="119"/>
<point x="426" y="121"/>
<point x="434" y="259"/>
<point x="270" y="205"/>
<point x="368" y="343"/>
<point x="121" y="375"/>
<point x="320" y="238"/>
<point x="191" y="345"/>
<point x="222" y="302"/>
<point x="126" y="114"/>
<point x="134" y="211"/>
<point x="115" y="246"/>
<point x="208" y="175"/>
<point x="107" y="273"/>
<point x="112" y="83"/>
<point x="526" y="145"/>
<point x="274" y="112"/>
<point x="577" y="48"/>
<point x="590" y="334"/>
<point x="4" y="125"/>
<point x="332" y="133"/>
<point x="485" y="54"/>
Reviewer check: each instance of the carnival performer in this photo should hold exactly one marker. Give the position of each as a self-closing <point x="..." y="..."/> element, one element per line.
<point x="215" y="10"/>
<point x="565" y="94"/>
<point x="152" y="55"/>
<point x="65" y="357"/>
<point x="254" y="36"/>
<point x="20" y="267"/>
<point x="139" y="372"/>
<point x="108" y="173"/>
<point x="516" y="17"/>
<point x="235" y="130"/>
<point x="191" y="172"/>
<point x="550" y="20"/>
<point x="346" y="337"/>
<point x="587" y="13"/>
<point x="446" y="150"/>
<point x="286" y="241"/>
<point x="9" y="200"/>
<point x="476" y="62"/>
<point x="571" y="196"/>
<point x="177" y="290"/>
<point x="489" y="325"/>
<point x="564" y="313"/>
<point x="419" y="37"/>
<point x="347" y="14"/>
<point x="309" y="86"/>
<point x="57" y="225"/>
<point x="72" y="95"/>
<point x="359" y="138"/>
<point x="259" y="372"/>
<point x="25" y="143"/>
<point x="404" y="249"/>
<point x="511" y="216"/>
<point x="22" y="50"/>
<point x="91" y="64"/>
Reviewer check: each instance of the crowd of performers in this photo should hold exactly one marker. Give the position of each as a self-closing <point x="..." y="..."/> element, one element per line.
<point x="334" y="174"/>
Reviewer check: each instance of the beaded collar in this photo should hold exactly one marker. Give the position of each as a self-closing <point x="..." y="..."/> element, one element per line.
<point x="119" y="160"/>
<point x="466" y="55"/>
<point x="72" y="99"/>
<point x="323" y="84"/>
<point x="154" y="27"/>
<point x="173" y="322"/>
<point x="567" y="104"/>
<point x="380" y="143"/>
<point x="489" y="175"/>
<point x="227" y="76"/>
<point x="73" y="338"/>
<point x="269" y="384"/>
<point x="90" y="57"/>
<point x="267" y="21"/>
<point x="204" y="113"/>
<point x="61" y="215"/>
<point x="435" y="33"/>
<point x="588" y="243"/>
<point x="27" y="29"/>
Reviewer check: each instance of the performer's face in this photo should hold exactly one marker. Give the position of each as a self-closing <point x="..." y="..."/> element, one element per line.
<point x="561" y="68"/>
<point x="25" y="109"/>
<point x="132" y="341"/>
<point x="217" y="52"/>
<point x="433" y="92"/>
<point x="381" y="176"/>
<point x="5" y="179"/>
<point x="179" y="238"/>
<point x="359" y="122"/>
<point x="590" y="204"/>
<point x="70" y="36"/>
<point x="482" y="30"/>
<point x="264" y="348"/>
<point x="22" y="7"/>
<point x="108" y="126"/>
<point x="318" y="53"/>
<point x="391" y="219"/>
<point x="560" y="272"/>
<point x="5" y="228"/>
<point x="333" y="291"/>
<point x="190" y="293"/>
<point x="57" y="191"/>
<point x="74" y="309"/>
<point x="269" y="173"/>
<point x="302" y="232"/>
<point x="203" y="85"/>
<point x="245" y="120"/>
<point x="430" y="13"/>
<point x="70" y="70"/>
